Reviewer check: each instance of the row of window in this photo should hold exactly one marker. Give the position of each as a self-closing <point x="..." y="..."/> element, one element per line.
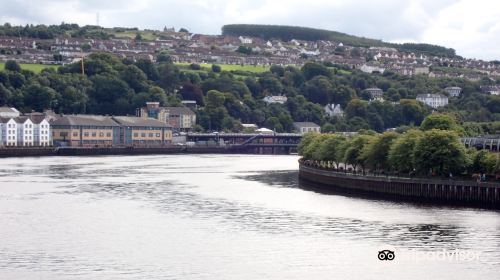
<point x="149" y="134"/>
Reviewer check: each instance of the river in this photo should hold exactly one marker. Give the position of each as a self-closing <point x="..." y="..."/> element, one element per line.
<point x="221" y="217"/>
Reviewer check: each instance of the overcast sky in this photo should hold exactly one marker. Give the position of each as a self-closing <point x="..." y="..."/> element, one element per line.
<point x="472" y="27"/>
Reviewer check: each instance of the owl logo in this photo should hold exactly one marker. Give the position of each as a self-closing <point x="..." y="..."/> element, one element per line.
<point x="386" y="255"/>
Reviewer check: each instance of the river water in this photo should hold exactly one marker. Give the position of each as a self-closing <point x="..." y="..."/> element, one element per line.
<point x="221" y="217"/>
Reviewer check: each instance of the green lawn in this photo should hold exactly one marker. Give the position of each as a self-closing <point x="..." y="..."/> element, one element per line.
<point x="146" y="35"/>
<point x="37" y="68"/>
<point x="233" y="67"/>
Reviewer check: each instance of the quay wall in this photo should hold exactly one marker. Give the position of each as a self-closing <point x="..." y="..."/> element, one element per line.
<point x="95" y="151"/>
<point x="466" y="193"/>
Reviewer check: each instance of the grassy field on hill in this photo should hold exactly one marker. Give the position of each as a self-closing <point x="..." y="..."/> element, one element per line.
<point x="232" y="67"/>
<point x="37" y="68"/>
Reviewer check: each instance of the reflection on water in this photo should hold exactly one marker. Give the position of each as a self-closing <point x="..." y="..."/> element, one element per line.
<point x="215" y="216"/>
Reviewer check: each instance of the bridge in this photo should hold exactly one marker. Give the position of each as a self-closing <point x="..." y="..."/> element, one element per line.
<point x="251" y="142"/>
<point x="288" y="142"/>
<point x="491" y="143"/>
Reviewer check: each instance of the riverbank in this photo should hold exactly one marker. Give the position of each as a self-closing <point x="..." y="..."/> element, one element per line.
<point x="452" y="192"/>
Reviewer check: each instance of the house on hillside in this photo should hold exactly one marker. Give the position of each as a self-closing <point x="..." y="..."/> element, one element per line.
<point x="334" y="110"/>
<point x="433" y="100"/>
<point x="305" y="127"/>
<point x="453" y="91"/>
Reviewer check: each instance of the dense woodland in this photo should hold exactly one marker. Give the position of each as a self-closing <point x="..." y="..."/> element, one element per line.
<point x="226" y="99"/>
<point x="287" y="33"/>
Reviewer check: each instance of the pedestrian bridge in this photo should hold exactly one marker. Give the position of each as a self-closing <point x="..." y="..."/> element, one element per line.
<point x="491" y="143"/>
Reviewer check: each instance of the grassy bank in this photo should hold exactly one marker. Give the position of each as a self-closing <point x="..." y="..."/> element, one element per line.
<point x="37" y="68"/>
<point x="232" y="67"/>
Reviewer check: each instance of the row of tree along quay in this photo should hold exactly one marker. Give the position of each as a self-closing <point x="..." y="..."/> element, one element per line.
<point x="109" y="85"/>
<point x="432" y="150"/>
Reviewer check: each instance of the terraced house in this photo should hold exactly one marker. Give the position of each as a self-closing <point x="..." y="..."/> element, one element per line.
<point x="24" y="131"/>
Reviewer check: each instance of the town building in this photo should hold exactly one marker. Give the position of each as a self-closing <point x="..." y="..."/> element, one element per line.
<point x="453" y="91"/>
<point x="41" y="132"/>
<point x="334" y="110"/>
<point x="25" y="136"/>
<point x="140" y="131"/>
<point x="85" y="131"/>
<point x="281" y="99"/>
<point x="376" y="94"/>
<point x="9" y="131"/>
<point x="153" y="111"/>
<point x="305" y="127"/>
<point x="493" y="90"/>
<point x="181" y="118"/>
<point x="6" y="112"/>
<point x="433" y="100"/>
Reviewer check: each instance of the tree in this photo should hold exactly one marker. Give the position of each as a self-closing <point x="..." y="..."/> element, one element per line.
<point x="342" y="95"/>
<point x="413" y="112"/>
<point x="183" y="30"/>
<point x="39" y="97"/>
<point x="331" y="148"/>
<point x="12" y="65"/>
<point x="375" y="152"/>
<point x="439" y="121"/>
<point x="401" y="151"/>
<point x="270" y="84"/>
<point x="306" y="140"/>
<point x="277" y="70"/>
<point x="135" y="78"/>
<point x="192" y="92"/>
<point x="5" y="95"/>
<point x="441" y="151"/>
<point x="138" y="36"/>
<point x="169" y="76"/>
<point x="318" y="90"/>
<point x="216" y="68"/>
<point x="148" y="68"/>
<point x="311" y="70"/>
<point x="353" y="153"/>
<point x="164" y="56"/>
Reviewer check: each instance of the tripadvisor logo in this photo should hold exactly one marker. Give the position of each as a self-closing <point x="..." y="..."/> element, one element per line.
<point x="455" y="255"/>
<point x="386" y="255"/>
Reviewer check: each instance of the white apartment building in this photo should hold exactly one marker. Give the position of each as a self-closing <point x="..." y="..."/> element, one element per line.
<point x="25" y="136"/>
<point x="25" y="131"/>
<point x="41" y="133"/>
<point x="433" y="100"/>
<point x="9" y="131"/>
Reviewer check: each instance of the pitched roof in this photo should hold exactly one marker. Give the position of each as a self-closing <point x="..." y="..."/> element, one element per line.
<point x="305" y="124"/>
<point x="137" y="121"/>
<point x="431" y="95"/>
<point x="5" y="109"/>
<point x="179" y="111"/>
<point x="90" y="120"/>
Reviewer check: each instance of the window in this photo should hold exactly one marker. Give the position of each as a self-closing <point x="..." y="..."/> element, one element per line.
<point x="143" y="134"/>
<point x="108" y="134"/>
<point x="158" y="134"/>
<point x="94" y="134"/>
<point x="75" y="134"/>
<point x="101" y="134"/>
<point x="150" y="135"/>
<point x="136" y="134"/>
<point x="86" y="134"/>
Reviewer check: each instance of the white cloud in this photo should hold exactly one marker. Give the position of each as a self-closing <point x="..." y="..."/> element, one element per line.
<point x="472" y="27"/>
